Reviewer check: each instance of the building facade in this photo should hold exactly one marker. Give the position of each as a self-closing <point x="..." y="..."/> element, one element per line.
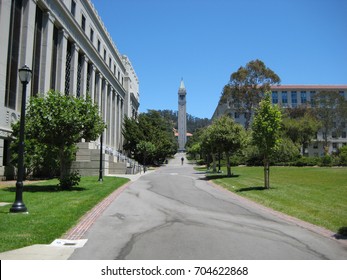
<point x="182" y="118"/>
<point x="68" y="48"/>
<point x="293" y="96"/>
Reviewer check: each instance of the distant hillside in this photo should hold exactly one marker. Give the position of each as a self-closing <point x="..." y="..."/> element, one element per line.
<point x="193" y="123"/>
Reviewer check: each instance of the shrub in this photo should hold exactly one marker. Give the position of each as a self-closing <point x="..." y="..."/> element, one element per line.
<point x="307" y="161"/>
<point x="70" y="180"/>
<point x="326" y="161"/>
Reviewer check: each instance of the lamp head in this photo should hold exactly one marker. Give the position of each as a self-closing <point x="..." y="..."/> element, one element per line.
<point x="25" y="74"/>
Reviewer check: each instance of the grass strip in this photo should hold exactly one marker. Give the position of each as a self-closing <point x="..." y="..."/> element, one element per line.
<point x="52" y="212"/>
<point x="313" y="194"/>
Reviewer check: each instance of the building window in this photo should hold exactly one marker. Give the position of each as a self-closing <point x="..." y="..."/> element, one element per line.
<point x="54" y="57"/>
<point x="37" y="52"/>
<point x="105" y="54"/>
<point x="83" y="23"/>
<point x="303" y="97"/>
<point x="294" y="98"/>
<point x="13" y="54"/>
<point x="274" y="97"/>
<point x="73" y="7"/>
<point x="118" y="75"/>
<point x="110" y="62"/>
<point x="343" y="134"/>
<point x="315" y="145"/>
<point x="334" y="145"/>
<point x="79" y="75"/>
<point x="89" y="74"/>
<point x="99" y="44"/>
<point x="114" y="69"/>
<point x="312" y="94"/>
<point x="91" y="36"/>
<point x="236" y="115"/>
<point x="284" y="98"/>
<point x="68" y="67"/>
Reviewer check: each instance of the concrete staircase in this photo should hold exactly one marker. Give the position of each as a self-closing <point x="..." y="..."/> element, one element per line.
<point x="88" y="162"/>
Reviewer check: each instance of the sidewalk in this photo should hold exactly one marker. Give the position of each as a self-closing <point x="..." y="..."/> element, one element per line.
<point x="61" y="249"/>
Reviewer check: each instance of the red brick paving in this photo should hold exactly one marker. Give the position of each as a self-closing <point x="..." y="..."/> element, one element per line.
<point x="89" y="218"/>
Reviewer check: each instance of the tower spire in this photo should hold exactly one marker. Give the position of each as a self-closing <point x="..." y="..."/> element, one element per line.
<point x="182" y="84"/>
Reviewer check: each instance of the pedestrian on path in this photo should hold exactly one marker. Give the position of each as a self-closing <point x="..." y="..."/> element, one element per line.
<point x="182" y="159"/>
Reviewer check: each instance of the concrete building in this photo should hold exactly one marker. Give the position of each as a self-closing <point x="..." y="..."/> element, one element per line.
<point x="182" y="118"/>
<point x="68" y="48"/>
<point x="292" y="96"/>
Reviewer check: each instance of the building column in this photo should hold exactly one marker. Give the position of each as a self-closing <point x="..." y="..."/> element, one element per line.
<point x="28" y="32"/>
<point x="47" y="48"/>
<point x="92" y="82"/>
<point x="121" y="123"/>
<point x="110" y="114"/>
<point x="104" y="107"/>
<point x="27" y="39"/>
<point x="61" y="60"/>
<point x="98" y="91"/>
<point x="118" y="122"/>
<point x="5" y="19"/>
<point x="84" y="73"/>
<point x="74" y="69"/>
<point x="113" y="135"/>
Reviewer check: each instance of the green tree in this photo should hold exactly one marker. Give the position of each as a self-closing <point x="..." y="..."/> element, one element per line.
<point x="247" y="86"/>
<point x="194" y="150"/>
<point x="59" y="122"/>
<point x="266" y="134"/>
<point x="343" y="155"/>
<point x="208" y="147"/>
<point x="301" y="129"/>
<point x="145" y="150"/>
<point x="149" y="127"/>
<point x="330" y="108"/>
<point x="227" y="136"/>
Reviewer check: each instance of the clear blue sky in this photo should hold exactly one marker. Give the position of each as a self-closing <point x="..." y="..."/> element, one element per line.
<point x="204" y="41"/>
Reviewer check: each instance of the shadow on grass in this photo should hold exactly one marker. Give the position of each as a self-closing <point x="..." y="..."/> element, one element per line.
<point x="218" y="176"/>
<point x="44" y="188"/>
<point x="252" y="189"/>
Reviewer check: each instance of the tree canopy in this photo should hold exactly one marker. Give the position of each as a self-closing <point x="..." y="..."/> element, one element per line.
<point x="247" y="86"/>
<point x="330" y="108"/>
<point x="58" y="122"/>
<point x="149" y="129"/>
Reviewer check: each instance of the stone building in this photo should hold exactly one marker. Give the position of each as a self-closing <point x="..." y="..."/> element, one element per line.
<point x="68" y="48"/>
<point x="292" y="96"/>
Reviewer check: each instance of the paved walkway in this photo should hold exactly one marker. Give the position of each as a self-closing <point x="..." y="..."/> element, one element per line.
<point x="61" y="249"/>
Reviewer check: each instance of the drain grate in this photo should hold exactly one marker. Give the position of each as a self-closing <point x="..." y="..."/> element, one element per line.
<point x="69" y="243"/>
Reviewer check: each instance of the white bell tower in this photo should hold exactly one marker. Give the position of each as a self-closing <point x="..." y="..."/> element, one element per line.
<point x="182" y="118"/>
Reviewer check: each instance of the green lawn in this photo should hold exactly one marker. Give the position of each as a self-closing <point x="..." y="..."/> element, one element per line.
<point x="51" y="212"/>
<point x="316" y="195"/>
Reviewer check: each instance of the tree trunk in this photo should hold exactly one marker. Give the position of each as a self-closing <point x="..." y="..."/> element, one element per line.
<point x="266" y="174"/>
<point x="228" y="165"/>
<point x="64" y="165"/>
<point x="214" y="163"/>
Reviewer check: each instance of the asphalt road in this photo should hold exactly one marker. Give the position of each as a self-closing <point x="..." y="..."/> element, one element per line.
<point x="174" y="213"/>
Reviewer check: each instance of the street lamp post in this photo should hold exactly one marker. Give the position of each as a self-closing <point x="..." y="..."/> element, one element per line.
<point x="100" y="168"/>
<point x="18" y="205"/>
